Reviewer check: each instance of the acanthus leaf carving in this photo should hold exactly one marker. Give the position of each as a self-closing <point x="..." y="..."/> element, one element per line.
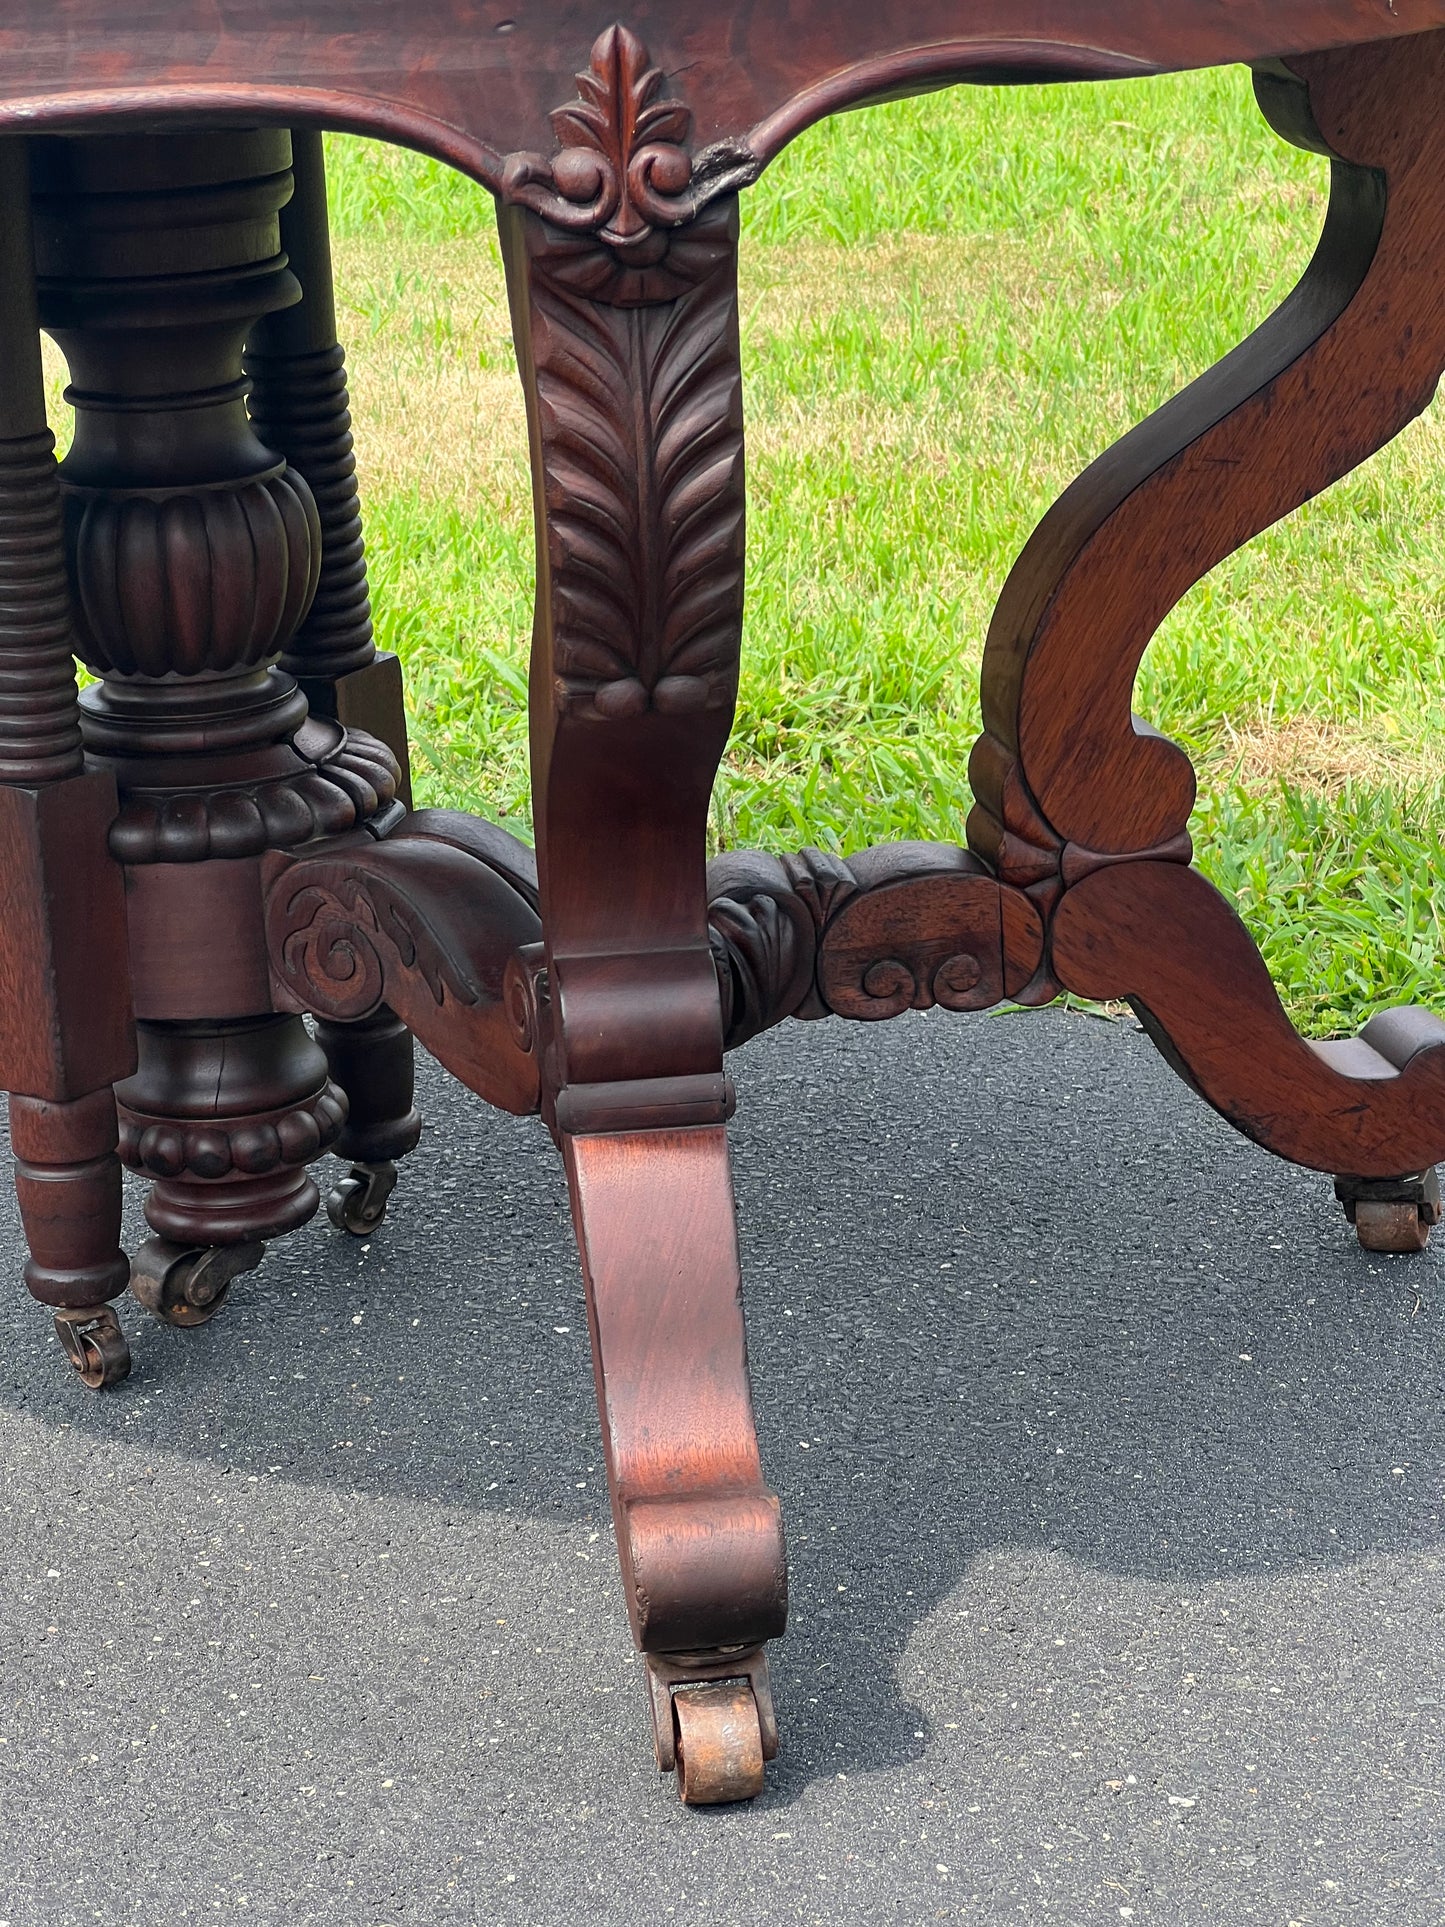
<point x="331" y="932"/>
<point x="642" y="450"/>
<point x="903" y="926"/>
<point x="624" y="170"/>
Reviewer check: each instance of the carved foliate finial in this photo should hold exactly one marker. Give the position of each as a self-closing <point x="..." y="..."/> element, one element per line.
<point x="624" y="170"/>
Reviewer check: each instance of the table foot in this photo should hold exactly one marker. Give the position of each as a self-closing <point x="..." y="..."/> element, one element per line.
<point x="699" y="1533"/>
<point x="358" y="1202"/>
<point x="94" y="1345"/>
<point x="1392" y="1214"/>
<point x="713" y="1722"/>
<point x="187" y="1285"/>
<point x="372" y="1063"/>
<point x="68" y="1186"/>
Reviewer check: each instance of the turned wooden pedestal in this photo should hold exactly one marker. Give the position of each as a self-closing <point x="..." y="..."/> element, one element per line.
<point x="226" y="923"/>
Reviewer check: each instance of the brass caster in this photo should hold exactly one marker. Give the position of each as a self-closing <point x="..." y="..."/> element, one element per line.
<point x="713" y="1722"/>
<point x="95" y="1345"/>
<point x="187" y="1285"/>
<point x="1392" y="1214"/>
<point x="358" y="1203"/>
<point x="719" y="1743"/>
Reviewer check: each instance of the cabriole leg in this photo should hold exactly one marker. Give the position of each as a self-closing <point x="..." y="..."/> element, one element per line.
<point x="1086" y="809"/>
<point x="628" y="346"/>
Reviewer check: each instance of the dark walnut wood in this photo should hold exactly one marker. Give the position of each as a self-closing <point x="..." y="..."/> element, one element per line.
<point x="216" y="842"/>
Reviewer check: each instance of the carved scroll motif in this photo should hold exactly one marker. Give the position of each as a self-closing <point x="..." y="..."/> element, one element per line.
<point x="418" y="924"/>
<point x="624" y="169"/>
<point x="901" y="927"/>
<point x="1086" y="805"/>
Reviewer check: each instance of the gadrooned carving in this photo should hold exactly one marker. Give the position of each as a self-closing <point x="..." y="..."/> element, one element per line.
<point x="348" y="779"/>
<point x="192" y="580"/>
<point x="228" y="1147"/>
<point x="624" y="170"/>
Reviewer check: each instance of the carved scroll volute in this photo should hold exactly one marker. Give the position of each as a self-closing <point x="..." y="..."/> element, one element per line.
<point x="634" y="397"/>
<point x="1340" y="368"/>
<point x="417" y="924"/>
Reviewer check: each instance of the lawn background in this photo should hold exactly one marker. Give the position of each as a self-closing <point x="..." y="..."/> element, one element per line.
<point x="950" y="306"/>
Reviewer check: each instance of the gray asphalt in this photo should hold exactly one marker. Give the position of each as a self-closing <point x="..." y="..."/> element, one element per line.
<point x="1113" y="1477"/>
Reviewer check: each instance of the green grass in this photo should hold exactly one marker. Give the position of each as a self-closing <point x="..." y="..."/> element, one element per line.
<point x="950" y="306"/>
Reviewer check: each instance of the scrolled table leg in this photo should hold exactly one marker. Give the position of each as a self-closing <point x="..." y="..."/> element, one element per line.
<point x="1088" y="808"/>
<point x="628" y="344"/>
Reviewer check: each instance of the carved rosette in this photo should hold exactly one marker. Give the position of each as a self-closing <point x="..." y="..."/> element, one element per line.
<point x="624" y="171"/>
<point x="348" y="779"/>
<point x="191" y="581"/>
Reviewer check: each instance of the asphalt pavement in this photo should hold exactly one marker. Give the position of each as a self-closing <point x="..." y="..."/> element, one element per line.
<point x="1112" y="1472"/>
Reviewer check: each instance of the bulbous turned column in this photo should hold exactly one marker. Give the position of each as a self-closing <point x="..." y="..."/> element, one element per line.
<point x="194" y="549"/>
<point x="193" y="552"/>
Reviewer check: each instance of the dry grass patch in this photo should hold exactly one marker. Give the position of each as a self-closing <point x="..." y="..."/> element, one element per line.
<point x="1318" y="756"/>
<point x="436" y="402"/>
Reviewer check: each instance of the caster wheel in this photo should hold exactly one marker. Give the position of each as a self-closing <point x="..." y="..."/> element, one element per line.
<point x="95" y="1346"/>
<point x="1392" y="1214"/>
<point x="1390" y="1227"/>
<point x="187" y="1285"/>
<point x="358" y="1203"/>
<point x="719" y="1743"/>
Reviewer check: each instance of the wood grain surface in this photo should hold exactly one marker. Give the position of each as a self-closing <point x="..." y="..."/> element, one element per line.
<point x="475" y="81"/>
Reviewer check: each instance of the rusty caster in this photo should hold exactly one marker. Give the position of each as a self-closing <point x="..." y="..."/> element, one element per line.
<point x="713" y="1722"/>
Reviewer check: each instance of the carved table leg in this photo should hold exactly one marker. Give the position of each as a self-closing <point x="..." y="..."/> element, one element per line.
<point x="67" y="1180"/>
<point x="628" y="346"/>
<point x="1087" y="809"/>
<point x="300" y="407"/>
<point x="65" y="1029"/>
<point x="372" y="1061"/>
<point x="194" y="552"/>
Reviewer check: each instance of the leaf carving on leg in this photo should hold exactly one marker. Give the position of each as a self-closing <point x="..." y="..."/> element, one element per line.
<point x="640" y="410"/>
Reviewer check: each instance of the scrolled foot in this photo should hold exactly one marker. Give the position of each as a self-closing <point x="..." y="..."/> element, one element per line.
<point x="1392" y="1214"/>
<point x="358" y="1203"/>
<point x="94" y="1344"/>
<point x="187" y="1285"/>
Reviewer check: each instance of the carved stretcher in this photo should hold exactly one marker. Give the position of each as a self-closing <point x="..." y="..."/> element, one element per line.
<point x="215" y="840"/>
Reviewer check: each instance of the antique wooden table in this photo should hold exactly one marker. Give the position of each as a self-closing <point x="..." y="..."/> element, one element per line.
<point x="215" y="840"/>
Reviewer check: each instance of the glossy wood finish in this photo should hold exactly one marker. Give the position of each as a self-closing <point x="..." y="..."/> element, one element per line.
<point x="244" y="765"/>
<point x="698" y="1531"/>
<point x="474" y="81"/>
